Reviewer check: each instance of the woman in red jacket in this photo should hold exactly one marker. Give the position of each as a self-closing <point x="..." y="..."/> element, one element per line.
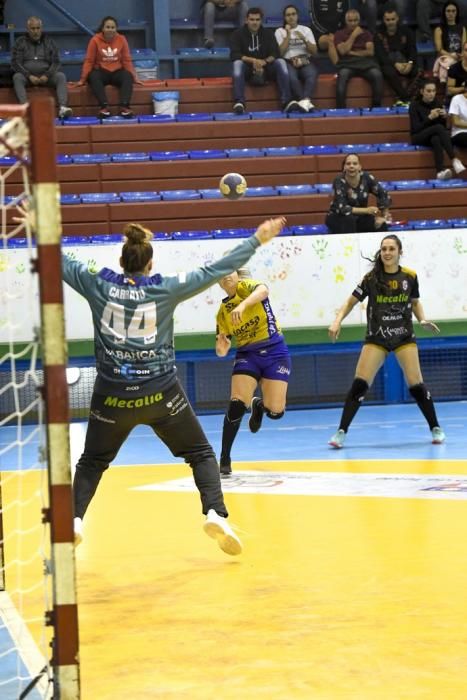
<point x="108" y="62"/>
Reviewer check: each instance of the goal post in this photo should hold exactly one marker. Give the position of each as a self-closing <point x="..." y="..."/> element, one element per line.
<point x="27" y="137"/>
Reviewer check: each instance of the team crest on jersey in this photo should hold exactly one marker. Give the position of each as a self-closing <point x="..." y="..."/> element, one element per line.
<point x="405" y="285"/>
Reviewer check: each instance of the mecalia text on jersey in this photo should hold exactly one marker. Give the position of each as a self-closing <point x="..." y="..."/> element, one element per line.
<point x="381" y="299"/>
<point x="116" y="402"/>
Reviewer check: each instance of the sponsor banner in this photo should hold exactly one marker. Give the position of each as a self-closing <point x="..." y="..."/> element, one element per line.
<point x="451" y="487"/>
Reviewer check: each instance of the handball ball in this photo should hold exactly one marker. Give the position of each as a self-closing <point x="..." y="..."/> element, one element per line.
<point x="233" y="185"/>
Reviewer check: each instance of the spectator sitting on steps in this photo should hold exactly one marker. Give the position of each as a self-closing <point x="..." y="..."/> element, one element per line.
<point x="221" y="11"/>
<point x="35" y="62"/>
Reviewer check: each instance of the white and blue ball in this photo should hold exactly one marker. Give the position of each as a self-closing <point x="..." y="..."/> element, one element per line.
<point x="233" y="185"/>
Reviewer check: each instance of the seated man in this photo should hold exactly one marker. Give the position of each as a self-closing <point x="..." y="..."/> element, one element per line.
<point x="221" y="11"/>
<point x="457" y="75"/>
<point x="355" y="50"/>
<point x="396" y="52"/>
<point x="255" y="55"/>
<point x="372" y="10"/>
<point x="35" y="61"/>
<point x="325" y="19"/>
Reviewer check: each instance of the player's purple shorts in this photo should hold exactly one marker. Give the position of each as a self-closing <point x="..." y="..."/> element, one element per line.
<point x="270" y="362"/>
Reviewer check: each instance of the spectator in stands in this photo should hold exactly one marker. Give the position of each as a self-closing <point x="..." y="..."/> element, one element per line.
<point x="449" y="38"/>
<point x="108" y="62"/>
<point x="425" y="10"/>
<point x="256" y="58"/>
<point x="326" y="17"/>
<point x="349" y="211"/>
<point x="262" y="357"/>
<point x="221" y="11"/>
<point x="428" y="128"/>
<point x="396" y="51"/>
<point x="458" y="114"/>
<point x="457" y="74"/>
<point x="393" y="298"/>
<point x="35" y="62"/>
<point x="355" y="49"/>
<point x="298" y="47"/>
<point x="372" y="10"/>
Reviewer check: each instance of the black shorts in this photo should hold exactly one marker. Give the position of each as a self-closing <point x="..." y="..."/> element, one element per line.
<point x="390" y="345"/>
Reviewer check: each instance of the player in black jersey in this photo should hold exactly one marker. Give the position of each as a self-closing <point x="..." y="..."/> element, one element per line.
<point x="393" y="297"/>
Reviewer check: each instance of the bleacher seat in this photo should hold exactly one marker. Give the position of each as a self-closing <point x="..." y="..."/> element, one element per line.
<point x="191" y="235"/>
<point x="140" y="196"/>
<point x="428" y="224"/>
<point x="294" y="190"/>
<point x="100" y="197"/>
<point x="61" y="160"/>
<point x="359" y="148"/>
<point x="244" y="152"/>
<point x="339" y="112"/>
<point x="448" y="184"/>
<point x="413" y="184"/>
<point x="231" y="233"/>
<point x="320" y="150"/>
<point x="230" y="116"/>
<point x="6" y="161"/>
<point x="70" y="199"/>
<point x="310" y="230"/>
<point x="117" y="119"/>
<point x="283" y="151"/>
<point x="194" y="117"/>
<point x="378" y="110"/>
<point x="395" y="147"/>
<point x="323" y="188"/>
<point x="207" y="154"/>
<point x="168" y="155"/>
<point x="83" y="121"/>
<point x="177" y="195"/>
<point x="266" y="191"/>
<point x="155" y="118"/>
<point x="460" y="222"/>
<point x="211" y="193"/>
<point x="81" y="158"/>
<point x="269" y="114"/>
<point x="134" y="157"/>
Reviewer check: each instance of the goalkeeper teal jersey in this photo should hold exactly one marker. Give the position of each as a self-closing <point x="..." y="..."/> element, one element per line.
<point x="133" y="318"/>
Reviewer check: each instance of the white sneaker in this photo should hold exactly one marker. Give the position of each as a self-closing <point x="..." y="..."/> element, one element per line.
<point x="337" y="439"/>
<point x="444" y="174"/>
<point x="437" y="435"/>
<point x="306" y="104"/>
<point x="218" y="528"/>
<point x="78" y="528"/>
<point x="65" y="112"/>
<point x="457" y="165"/>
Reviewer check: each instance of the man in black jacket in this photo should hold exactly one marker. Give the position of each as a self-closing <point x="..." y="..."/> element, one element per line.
<point x="256" y="58"/>
<point x="35" y="61"/>
<point x="396" y="52"/>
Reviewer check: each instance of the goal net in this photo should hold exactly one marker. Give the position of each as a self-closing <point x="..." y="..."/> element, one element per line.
<point x="38" y="612"/>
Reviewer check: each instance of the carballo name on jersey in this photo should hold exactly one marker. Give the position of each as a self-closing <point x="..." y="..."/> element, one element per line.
<point x="133" y="294"/>
<point x="117" y="402"/>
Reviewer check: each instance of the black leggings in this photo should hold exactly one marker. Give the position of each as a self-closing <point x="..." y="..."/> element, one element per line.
<point x="173" y="420"/>
<point x="351" y="223"/>
<point x="439" y="139"/>
<point x="460" y="139"/>
<point x="99" y="78"/>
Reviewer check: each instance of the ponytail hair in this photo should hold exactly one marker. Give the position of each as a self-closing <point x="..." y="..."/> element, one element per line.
<point x="377" y="272"/>
<point x="137" y="249"/>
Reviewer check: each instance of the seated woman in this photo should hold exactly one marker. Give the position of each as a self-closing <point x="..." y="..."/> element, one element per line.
<point x="298" y="46"/>
<point x="458" y="114"/>
<point x="108" y="62"/>
<point x="449" y="38"/>
<point x="428" y="128"/>
<point x="349" y="211"/>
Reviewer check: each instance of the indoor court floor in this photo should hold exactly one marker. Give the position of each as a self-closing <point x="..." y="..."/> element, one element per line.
<point x="351" y="586"/>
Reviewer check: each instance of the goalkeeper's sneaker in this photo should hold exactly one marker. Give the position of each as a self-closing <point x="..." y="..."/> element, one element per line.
<point x="78" y="528"/>
<point x="437" y="435"/>
<point x="257" y="411"/>
<point x="337" y="439"/>
<point x="218" y="528"/>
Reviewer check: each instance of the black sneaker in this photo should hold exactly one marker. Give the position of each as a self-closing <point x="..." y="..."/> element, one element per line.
<point x="208" y="43"/>
<point x="239" y="108"/>
<point x="225" y="467"/>
<point x="257" y="411"/>
<point x="291" y="106"/>
<point x="104" y="113"/>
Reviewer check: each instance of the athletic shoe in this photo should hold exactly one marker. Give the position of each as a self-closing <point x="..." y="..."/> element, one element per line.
<point x="65" y="112"/>
<point x="291" y="106"/>
<point x="458" y="166"/>
<point x="126" y="113"/>
<point x="208" y="43"/>
<point x="218" y="528"/>
<point x="437" y="435"/>
<point x="104" y="113"/>
<point x="257" y="411"/>
<point x="78" y="528"/>
<point x="306" y="105"/>
<point x="400" y="103"/>
<point x="239" y="108"/>
<point x="225" y="467"/>
<point x="444" y="174"/>
<point x="337" y="439"/>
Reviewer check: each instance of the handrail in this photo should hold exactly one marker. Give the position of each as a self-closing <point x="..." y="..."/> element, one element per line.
<point x="71" y="17"/>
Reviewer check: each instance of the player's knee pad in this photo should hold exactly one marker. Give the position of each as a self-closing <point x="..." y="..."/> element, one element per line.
<point x="236" y="410"/>
<point x="419" y="392"/>
<point x="359" y="389"/>
<point x="272" y="415"/>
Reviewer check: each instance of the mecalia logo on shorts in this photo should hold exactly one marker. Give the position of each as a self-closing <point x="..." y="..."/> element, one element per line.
<point x="116" y="402"/>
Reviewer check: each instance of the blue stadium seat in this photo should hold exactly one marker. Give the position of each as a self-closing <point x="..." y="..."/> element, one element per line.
<point x="130" y="157"/>
<point x="294" y="190"/>
<point x="412" y="185"/>
<point x="400" y="226"/>
<point x="99" y="198"/>
<point x="17" y="243"/>
<point x="212" y="193"/>
<point x="221" y="51"/>
<point x="359" y="148"/>
<point x="266" y="191"/>
<point x="230" y="116"/>
<point x="107" y="238"/>
<point x="378" y="110"/>
<point x="117" y="119"/>
<point x="323" y="188"/>
<point x="178" y="195"/>
<point x="194" y="52"/>
<point x="418" y="224"/>
<point x="423" y="148"/>
<point x="387" y="184"/>
<point x="169" y="155"/>
<point x="191" y="235"/>
<point x="143" y="54"/>
<point x="140" y="196"/>
<point x="401" y="109"/>
<point x="155" y="118"/>
<point x="460" y="222"/>
<point x="194" y="117"/>
<point x="231" y="233"/>
<point x="310" y="230"/>
<point x="70" y="199"/>
<point x="447" y="184"/>
<point x="320" y="150"/>
<point x="307" y="115"/>
<point x="395" y="147"/>
<point x="283" y="151"/>
<point x="83" y="121"/>
<point x="61" y="160"/>
<point x="7" y="160"/>
<point x="162" y="236"/>
<point x="208" y="154"/>
<point x="271" y="114"/>
<point x="73" y="54"/>
<point x="244" y="152"/>
<point x="75" y="240"/>
<point x="347" y="112"/>
<point x="91" y="158"/>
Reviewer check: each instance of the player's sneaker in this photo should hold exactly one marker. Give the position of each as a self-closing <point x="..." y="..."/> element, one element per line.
<point x="338" y="439"/>
<point x="257" y="411"/>
<point x="218" y="528"/>
<point x="437" y="435"/>
<point x="78" y="528"/>
<point x="225" y="466"/>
